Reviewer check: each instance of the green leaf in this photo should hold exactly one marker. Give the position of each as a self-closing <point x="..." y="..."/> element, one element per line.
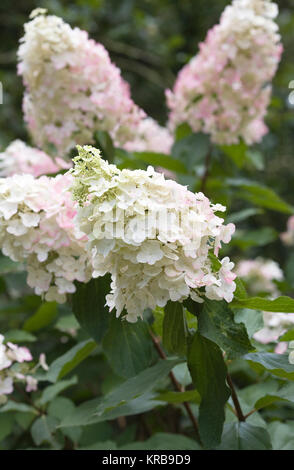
<point x="288" y="336"/>
<point x="88" y="304"/>
<point x="105" y="445"/>
<point x="182" y="131"/>
<point x="216" y="322"/>
<point x="179" y="397"/>
<point x="244" y="436"/>
<point x="191" y="150"/>
<point x="215" y="262"/>
<point x="174" y="332"/>
<point x="255" y="158"/>
<point x="19" y="336"/>
<point x="42" y="317"/>
<point x="240" y="291"/>
<point x="15" y="406"/>
<point x="42" y="431"/>
<point x="60" y="408"/>
<point x="164" y="441"/>
<point x="52" y="391"/>
<point x="68" y="361"/>
<point x="128" y="347"/>
<point x="86" y="414"/>
<point x="6" y="425"/>
<point x="252" y="319"/>
<point x="131" y="397"/>
<point x="157" y="325"/>
<point x="104" y="142"/>
<point x="244" y="214"/>
<point x="245" y="239"/>
<point x="208" y="371"/>
<point x="161" y="160"/>
<point x="260" y="195"/>
<point x="281" y="304"/>
<point x="276" y="364"/>
<point x="282" y="435"/>
<point x="237" y="153"/>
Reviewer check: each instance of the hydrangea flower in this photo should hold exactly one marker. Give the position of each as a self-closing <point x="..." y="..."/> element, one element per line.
<point x="11" y="354"/>
<point x="73" y="90"/>
<point x="288" y="236"/>
<point x="36" y="226"/>
<point x="155" y="237"/>
<point x="150" y="136"/>
<point x="259" y="275"/>
<point x="20" y="158"/>
<point x="224" y="90"/>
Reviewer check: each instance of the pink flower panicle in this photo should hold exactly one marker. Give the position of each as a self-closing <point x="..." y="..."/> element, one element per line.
<point x="73" y="90"/>
<point x="224" y="90"/>
<point x="20" y="158"/>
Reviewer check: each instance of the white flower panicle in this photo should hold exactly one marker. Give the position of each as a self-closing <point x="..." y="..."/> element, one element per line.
<point x="36" y="226"/>
<point x="224" y="90"/>
<point x="13" y="368"/>
<point x="158" y="240"/>
<point x="73" y="90"/>
<point x="20" y="158"/>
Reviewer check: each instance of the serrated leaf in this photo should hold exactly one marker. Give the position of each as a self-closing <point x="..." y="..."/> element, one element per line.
<point x="244" y="436"/>
<point x="237" y="153"/>
<point x="19" y="336"/>
<point x="42" y="317"/>
<point x="131" y="397"/>
<point x="191" y="150"/>
<point x="208" y="371"/>
<point x="216" y="323"/>
<point x="52" y="391"/>
<point x="6" y="425"/>
<point x="245" y="239"/>
<point x="19" y="407"/>
<point x="244" y="214"/>
<point x="183" y="130"/>
<point x="276" y="364"/>
<point x="68" y="361"/>
<point x="161" y="160"/>
<point x="179" y="397"/>
<point x="88" y="304"/>
<point x="282" y="435"/>
<point x="240" y="291"/>
<point x="281" y="304"/>
<point x="288" y="336"/>
<point x="252" y="319"/>
<point x="174" y="331"/>
<point x="164" y="441"/>
<point x="260" y="195"/>
<point x="128" y="347"/>
<point x="42" y="431"/>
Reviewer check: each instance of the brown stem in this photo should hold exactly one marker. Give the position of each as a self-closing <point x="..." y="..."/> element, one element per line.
<point x="250" y="413"/>
<point x="235" y="399"/>
<point x="177" y="386"/>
